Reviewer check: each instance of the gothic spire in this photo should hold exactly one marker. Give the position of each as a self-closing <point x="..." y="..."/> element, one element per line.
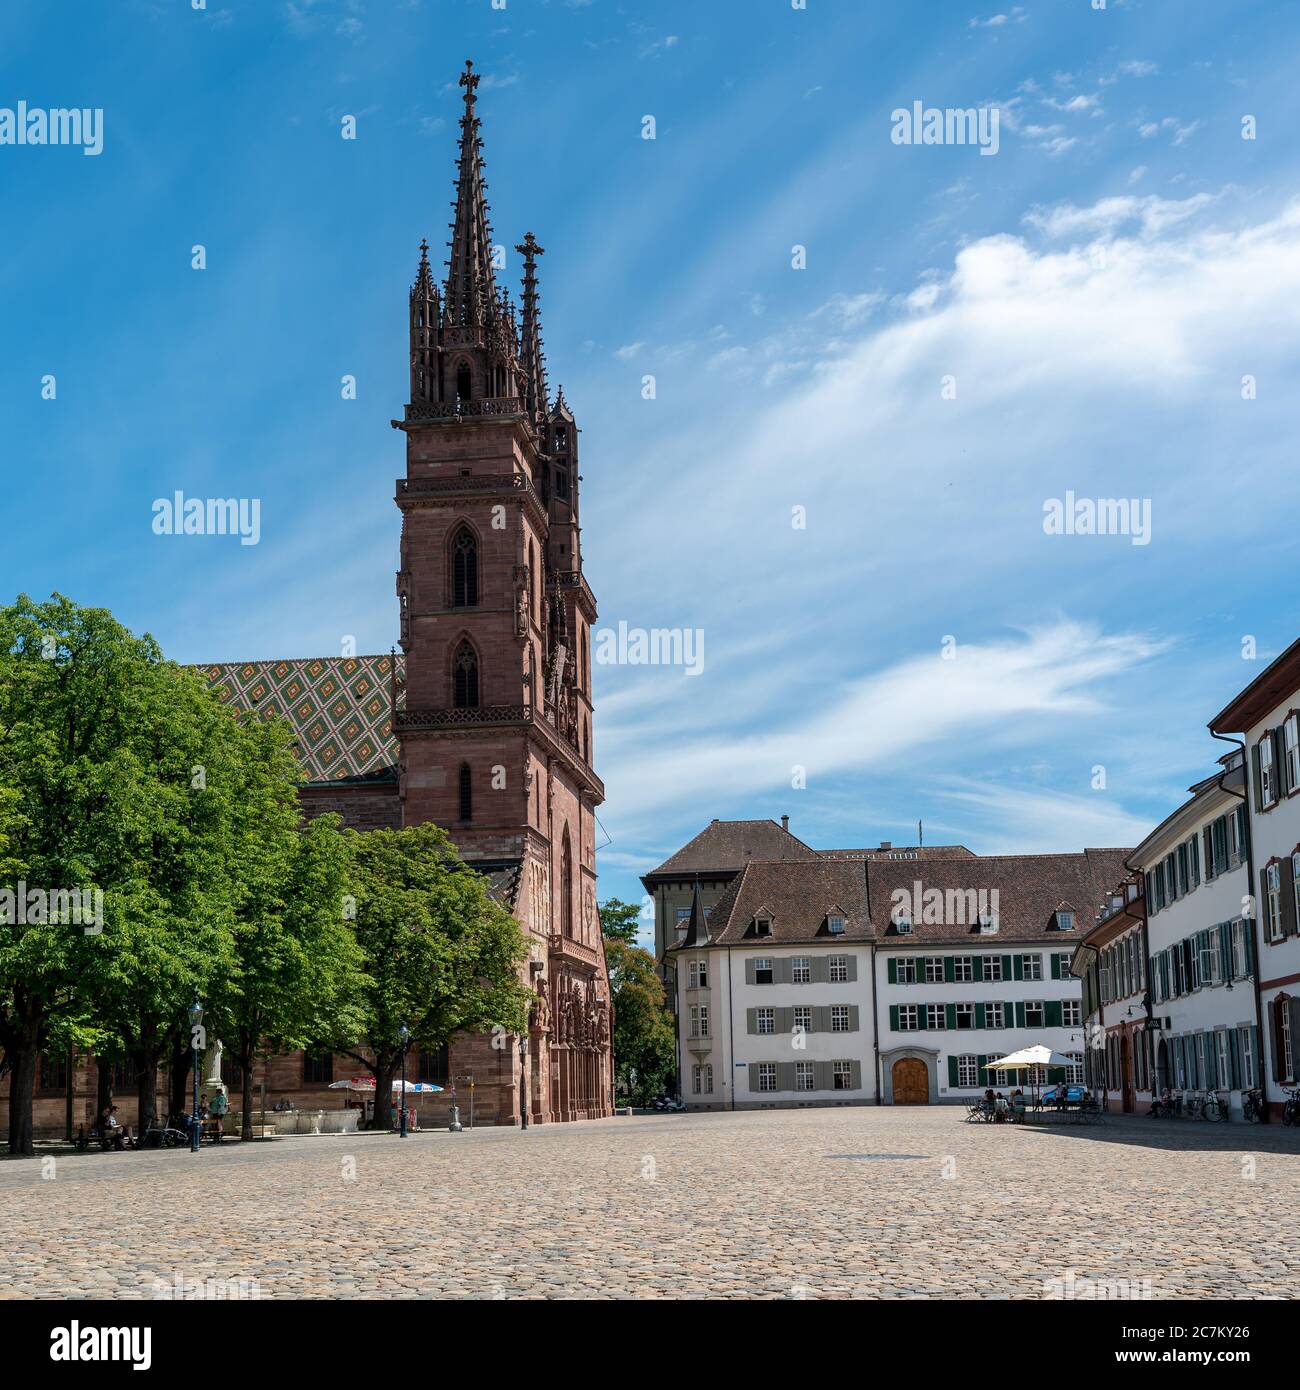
<point x="532" y="359"/>
<point x="471" y="299"/>
<point x="424" y="288"/>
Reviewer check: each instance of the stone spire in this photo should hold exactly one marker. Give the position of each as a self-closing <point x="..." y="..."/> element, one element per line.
<point x="471" y="296"/>
<point x="424" y="325"/>
<point x="697" y="929"/>
<point x="531" y="358"/>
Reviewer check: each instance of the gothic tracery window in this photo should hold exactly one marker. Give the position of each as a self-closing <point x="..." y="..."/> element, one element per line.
<point x="464" y="668"/>
<point x="464" y="569"/>
<point x="566" y="887"/>
<point x="463" y="382"/>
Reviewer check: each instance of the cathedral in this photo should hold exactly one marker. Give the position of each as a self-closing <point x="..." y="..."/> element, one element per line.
<point x="482" y="723"/>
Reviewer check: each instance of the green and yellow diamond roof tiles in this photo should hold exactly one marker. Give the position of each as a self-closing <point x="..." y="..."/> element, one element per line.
<point x="338" y="707"/>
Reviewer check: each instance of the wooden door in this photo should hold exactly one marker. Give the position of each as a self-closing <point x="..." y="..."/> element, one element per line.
<point x="911" y="1082"/>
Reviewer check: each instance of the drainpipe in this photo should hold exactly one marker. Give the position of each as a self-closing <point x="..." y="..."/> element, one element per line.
<point x="871" y="964"/>
<point x="1254" y="923"/>
<point x="731" y="1024"/>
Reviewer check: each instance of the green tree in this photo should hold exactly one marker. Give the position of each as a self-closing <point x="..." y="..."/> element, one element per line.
<point x="438" y="954"/>
<point x="619" y="921"/>
<point x="643" y="1027"/>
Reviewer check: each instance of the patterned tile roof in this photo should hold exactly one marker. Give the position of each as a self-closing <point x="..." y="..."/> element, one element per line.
<point x="338" y="707"/>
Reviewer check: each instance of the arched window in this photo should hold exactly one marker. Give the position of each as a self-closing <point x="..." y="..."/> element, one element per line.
<point x="566" y="887"/>
<point x="463" y="388"/>
<point x="466" y="794"/>
<point x="464" y="569"/>
<point x="464" y="669"/>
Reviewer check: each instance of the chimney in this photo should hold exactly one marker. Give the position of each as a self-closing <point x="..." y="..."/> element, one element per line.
<point x="886" y="844"/>
<point x="785" y="824"/>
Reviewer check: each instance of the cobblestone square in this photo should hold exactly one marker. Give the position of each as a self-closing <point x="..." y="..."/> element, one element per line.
<point x="827" y="1203"/>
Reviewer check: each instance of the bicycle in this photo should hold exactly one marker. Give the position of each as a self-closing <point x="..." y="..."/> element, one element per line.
<point x="1215" y="1107"/>
<point x="1193" y="1105"/>
<point x="1252" y="1106"/>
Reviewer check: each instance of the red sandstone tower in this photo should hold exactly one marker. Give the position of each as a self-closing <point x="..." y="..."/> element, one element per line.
<point x="494" y="714"/>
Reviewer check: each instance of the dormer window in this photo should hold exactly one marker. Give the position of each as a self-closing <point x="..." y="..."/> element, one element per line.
<point x="762" y="926"/>
<point x="988" y="924"/>
<point x="835" y="925"/>
<point x="1064" y="919"/>
<point x="903" y="924"/>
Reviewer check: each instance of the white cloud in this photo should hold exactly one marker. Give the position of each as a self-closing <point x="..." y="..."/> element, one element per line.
<point x="1154" y="215"/>
<point x="628" y="351"/>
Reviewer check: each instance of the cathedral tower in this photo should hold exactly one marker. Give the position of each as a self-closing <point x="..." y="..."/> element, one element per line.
<point x="494" y="713"/>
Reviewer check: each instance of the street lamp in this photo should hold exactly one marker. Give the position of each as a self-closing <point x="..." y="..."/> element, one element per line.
<point x="405" y="1034"/>
<point x="196" y="1028"/>
<point x="523" y="1081"/>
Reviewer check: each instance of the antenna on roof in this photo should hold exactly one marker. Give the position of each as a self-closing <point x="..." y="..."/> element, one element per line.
<point x="920" y="836"/>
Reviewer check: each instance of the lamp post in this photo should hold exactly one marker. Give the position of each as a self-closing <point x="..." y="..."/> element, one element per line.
<point x="523" y="1081"/>
<point x="196" y="1031"/>
<point x="405" y="1034"/>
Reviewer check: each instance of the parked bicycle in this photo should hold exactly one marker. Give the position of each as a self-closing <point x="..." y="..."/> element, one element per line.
<point x="1291" y="1108"/>
<point x="1195" y="1103"/>
<point x="1215" y="1107"/>
<point x="1252" y="1106"/>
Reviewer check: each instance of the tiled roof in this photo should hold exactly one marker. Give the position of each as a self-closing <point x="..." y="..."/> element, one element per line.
<point x="901" y="852"/>
<point x="727" y="845"/>
<point x="798" y="896"/>
<point x="338" y="707"/>
<point x="1031" y="887"/>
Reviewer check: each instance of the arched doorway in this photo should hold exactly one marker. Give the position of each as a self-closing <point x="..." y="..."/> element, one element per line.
<point x="911" y="1082"/>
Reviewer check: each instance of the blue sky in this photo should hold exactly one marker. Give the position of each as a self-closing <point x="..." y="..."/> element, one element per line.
<point x="1097" y="290"/>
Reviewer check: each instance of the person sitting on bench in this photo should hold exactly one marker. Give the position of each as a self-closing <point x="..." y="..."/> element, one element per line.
<point x="111" y="1131"/>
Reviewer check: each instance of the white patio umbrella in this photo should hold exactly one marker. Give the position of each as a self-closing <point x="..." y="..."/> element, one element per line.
<point x="1036" y="1056"/>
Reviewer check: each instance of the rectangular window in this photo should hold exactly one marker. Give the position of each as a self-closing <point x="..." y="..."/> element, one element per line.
<point x="801" y="970"/>
<point x="1063" y="964"/>
<point x="934" y="970"/>
<point x="1184" y="881"/>
<point x="1071" y="1013"/>
<point x="763" y="971"/>
<point x="1194" y="858"/>
<point x="1032" y="967"/>
<point x="963" y="968"/>
<point x="318" y="1068"/>
<point x="767" y="1076"/>
<point x="842" y="1076"/>
<point x="1238" y="930"/>
<point x="1035" y="1013"/>
<point x="993" y="1016"/>
<point x="907" y="1018"/>
<point x="1245" y="1040"/>
<point x="838" y="970"/>
<point x="54" y="1072"/>
<point x="968" y="1073"/>
<point x="965" y="1015"/>
<point x="936" y="1016"/>
<point x="699" y="974"/>
<point x="1074" y="1072"/>
<point x="1273" y="886"/>
<point x="992" y="967"/>
<point x="906" y="970"/>
<point x="1267" y="775"/>
<point x="1295" y="878"/>
<point x="1225" y="1063"/>
<point x="802" y="1021"/>
<point x="1288" y="1062"/>
<point x="766" y="1020"/>
<point x="703" y="1078"/>
<point x="1209" y="957"/>
<point x="803" y="1076"/>
<point x="699" y="1020"/>
<point x="839" y="1018"/>
<point x="1291" y="750"/>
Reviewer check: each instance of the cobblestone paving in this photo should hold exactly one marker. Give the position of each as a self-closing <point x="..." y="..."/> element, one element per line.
<point x="902" y="1203"/>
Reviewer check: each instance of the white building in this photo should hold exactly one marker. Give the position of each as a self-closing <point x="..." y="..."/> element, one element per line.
<point x="1204" y="1034"/>
<point x="1266" y="714"/>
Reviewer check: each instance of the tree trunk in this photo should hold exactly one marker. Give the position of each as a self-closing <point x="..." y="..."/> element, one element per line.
<point x="384" y="1069"/>
<point x="246" y="1094"/>
<point x="146" y="1086"/>
<point x="179" y="1077"/>
<point x="22" y="1088"/>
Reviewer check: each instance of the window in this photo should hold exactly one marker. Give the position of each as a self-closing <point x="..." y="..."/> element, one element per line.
<point x="433" y="1067"/>
<point x="1210" y="966"/>
<point x="1224" y="1057"/>
<point x="1063" y="964"/>
<point x="766" y="1020"/>
<point x="232" y="1073"/>
<point x="1273" y="889"/>
<point x="906" y="970"/>
<point x="762" y="926"/>
<point x="1074" y="1072"/>
<point x="1032" y="967"/>
<point x="993" y="1016"/>
<point x="968" y="1073"/>
<point x="933" y="970"/>
<point x="965" y="1015"/>
<point x="839" y="1018"/>
<point x="682" y="914"/>
<point x="566" y="886"/>
<point x="963" y="968"/>
<point x="703" y="1078"/>
<point x="464" y="672"/>
<point x="767" y="1076"/>
<point x="54" y="1073"/>
<point x="699" y="974"/>
<point x="907" y="1018"/>
<point x="842" y="1076"/>
<point x="802" y="1021"/>
<point x="466" y="790"/>
<point x="463" y="387"/>
<point x="1194" y="857"/>
<point x="1291" y="751"/>
<point x="464" y="569"/>
<point x="838" y="970"/>
<point x="835" y="925"/>
<point x="992" y="967"/>
<point x="1035" y="1014"/>
<point x="1071" y="1013"/>
<point x="317" y="1068"/>
<point x="1065" y="920"/>
<point x="1245" y="1041"/>
<point x="1267" y="773"/>
<point x="801" y="970"/>
<point x="1238" y="949"/>
<point x="1295" y="879"/>
<point x="803" y="1076"/>
<point x="1288" y="1062"/>
<point x="936" y="1016"/>
<point x="699" y="1020"/>
<point x="988" y="924"/>
<point x="763" y="970"/>
<point x="1184" y="882"/>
